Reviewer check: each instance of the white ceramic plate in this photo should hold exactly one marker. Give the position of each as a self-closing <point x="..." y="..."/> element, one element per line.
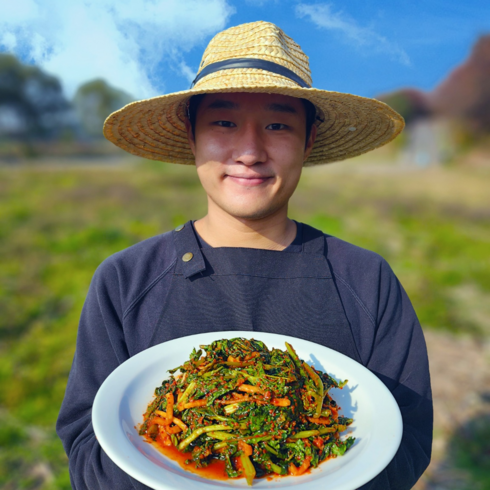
<point x="125" y="394"/>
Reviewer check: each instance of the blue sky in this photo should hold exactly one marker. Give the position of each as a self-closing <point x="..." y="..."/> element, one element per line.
<point x="149" y="47"/>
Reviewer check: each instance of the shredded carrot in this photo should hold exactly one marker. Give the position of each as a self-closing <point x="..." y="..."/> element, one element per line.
<point x="246" y="448"/>
<point x="195" y="403"/>
<point x="170" y="407"/>
<point x="235" y="400"/>
<point x="299" y="471"/>
<point x="251" y="356"/>
<point x="173" y="430"/>
<point x="179" y="422"/>
<point x="305" y="465"/>
<point x="250" y="389"/>
<point x="238" y="463"/>
<point x="164" y="438"/>
<point x="281" y="402"/>
<point x="157" y="421"/>
<point x="319" y="420"/>
<point x="175" y="420"/>
<point x="319" y="443"/>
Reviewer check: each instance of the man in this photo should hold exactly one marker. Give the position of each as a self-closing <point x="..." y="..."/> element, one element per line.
<point x="249" y="124"/>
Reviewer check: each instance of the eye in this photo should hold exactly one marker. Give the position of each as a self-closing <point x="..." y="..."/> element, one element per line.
<point x="276" y="127"/>
<point x="225" y="124"/>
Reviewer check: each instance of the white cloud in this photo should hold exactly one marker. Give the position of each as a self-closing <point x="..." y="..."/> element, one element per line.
<point x="121" y="41"/>
<point x="9" y="41"/>
<point x="186" y="71"/>
<point x="19" y="11"/>
<point x="259" y="3"/>
<point x="325" y="17"/>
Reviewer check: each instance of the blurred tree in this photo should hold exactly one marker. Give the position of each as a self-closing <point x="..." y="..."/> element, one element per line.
<point x="410" y="103"/>
<point x="94" y="101"/>
<point x="465" y="94"/>
<point x="480" y="111"/>
<point x="32" y="104"/>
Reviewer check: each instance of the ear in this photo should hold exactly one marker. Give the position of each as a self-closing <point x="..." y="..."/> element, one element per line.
<point x="311" y="141"/>
<point x="190" y="136"/>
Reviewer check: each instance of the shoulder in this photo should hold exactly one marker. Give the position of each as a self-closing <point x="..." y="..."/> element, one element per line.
<point x="157" y="251"/>
<point x="134" y="269"/>
<point x="364" y="278"/>
<point x="351" y="261"/>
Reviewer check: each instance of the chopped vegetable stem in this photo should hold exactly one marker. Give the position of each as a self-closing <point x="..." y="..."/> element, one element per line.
<point x="305" y="434"/>
<point x="187" y="392"/>
<point x="248" y="468"/>
<point x="221" y="435"/>
<point x="195" y="434"/>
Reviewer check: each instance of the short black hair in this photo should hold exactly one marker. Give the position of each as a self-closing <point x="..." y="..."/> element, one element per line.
<point x="195" y="102"/>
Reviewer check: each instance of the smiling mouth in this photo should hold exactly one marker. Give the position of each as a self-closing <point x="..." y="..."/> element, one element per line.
<point x="248" y="180"/>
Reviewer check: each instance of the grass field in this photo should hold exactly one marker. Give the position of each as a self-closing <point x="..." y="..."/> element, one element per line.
<point x="57" y="223"/>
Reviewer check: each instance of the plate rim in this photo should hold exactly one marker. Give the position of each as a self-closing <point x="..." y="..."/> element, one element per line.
<point x="193" y="341"/>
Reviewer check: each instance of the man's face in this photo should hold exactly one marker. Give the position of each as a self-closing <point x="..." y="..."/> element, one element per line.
<point x="249" y="151"/>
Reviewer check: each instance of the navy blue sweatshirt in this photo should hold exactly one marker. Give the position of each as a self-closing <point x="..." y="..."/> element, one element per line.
<point x="122" y="309"/>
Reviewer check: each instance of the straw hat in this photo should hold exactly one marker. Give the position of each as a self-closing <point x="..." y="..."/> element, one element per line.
<point x="255" y="57"/>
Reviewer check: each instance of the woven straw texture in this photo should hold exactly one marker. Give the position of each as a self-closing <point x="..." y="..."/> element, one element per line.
<point x="155" y="128"/>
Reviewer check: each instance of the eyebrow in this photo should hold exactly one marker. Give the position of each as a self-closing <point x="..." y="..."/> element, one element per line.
<point x="281" y="108"/>
<point x="223" y="104"/>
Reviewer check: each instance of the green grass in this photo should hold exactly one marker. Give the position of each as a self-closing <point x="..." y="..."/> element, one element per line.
<point x="470" y="451"/>
<point x="57" y="225"/>
<point x="30" y="457"/>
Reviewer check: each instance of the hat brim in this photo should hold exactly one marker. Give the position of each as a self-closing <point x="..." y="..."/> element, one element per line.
<point x="155" y="128"/>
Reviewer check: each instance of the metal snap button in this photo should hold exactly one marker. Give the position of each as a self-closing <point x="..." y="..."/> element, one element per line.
<point x="180" y="227"/>
<point x="188" y="256"/>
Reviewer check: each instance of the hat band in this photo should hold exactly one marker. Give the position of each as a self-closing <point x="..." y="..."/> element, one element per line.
<point x="250" y="63"/>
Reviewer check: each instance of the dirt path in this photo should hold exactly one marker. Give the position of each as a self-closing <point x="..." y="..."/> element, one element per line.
<point x="460" y="373"/>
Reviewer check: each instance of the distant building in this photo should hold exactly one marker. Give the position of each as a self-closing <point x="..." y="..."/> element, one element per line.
<point x="429" y="142"/>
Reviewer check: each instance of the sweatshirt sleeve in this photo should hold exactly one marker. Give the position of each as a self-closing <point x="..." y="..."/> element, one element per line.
<point x="399" y="358"/>
<point x="100" y="349"/>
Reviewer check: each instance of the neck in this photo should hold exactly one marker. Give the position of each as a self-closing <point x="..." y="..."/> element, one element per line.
<point x="274" y="232"/>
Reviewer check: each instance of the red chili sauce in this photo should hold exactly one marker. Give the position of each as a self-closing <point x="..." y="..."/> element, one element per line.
<point x="214" y="471"/>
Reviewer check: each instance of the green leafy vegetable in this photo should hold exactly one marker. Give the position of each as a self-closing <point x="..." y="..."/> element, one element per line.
<point x="260" y="411"/>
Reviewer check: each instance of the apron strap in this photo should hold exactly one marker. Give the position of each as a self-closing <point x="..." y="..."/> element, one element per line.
<point x="313" y="240"/>
<point x="190" y="259"/>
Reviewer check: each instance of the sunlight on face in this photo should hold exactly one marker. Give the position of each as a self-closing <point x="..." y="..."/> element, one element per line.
<point x="249" y="151"/>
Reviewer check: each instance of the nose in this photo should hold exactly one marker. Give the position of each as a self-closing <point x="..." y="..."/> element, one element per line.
<point x="249" y="146"/>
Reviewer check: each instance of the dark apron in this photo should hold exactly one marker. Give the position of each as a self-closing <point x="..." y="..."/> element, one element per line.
<point x="227" y="288"/>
